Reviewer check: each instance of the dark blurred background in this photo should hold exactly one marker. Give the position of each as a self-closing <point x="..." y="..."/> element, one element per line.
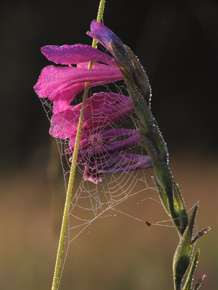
<point x="177" y="43"/>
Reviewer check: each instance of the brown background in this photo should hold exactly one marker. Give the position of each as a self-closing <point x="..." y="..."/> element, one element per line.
<point x="177" y="44"/>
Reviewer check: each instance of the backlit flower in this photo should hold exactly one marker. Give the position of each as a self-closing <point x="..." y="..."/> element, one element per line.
<point x="62" y="83"/>
<point x="101" y="150"/>
<point x="103" y="147"/>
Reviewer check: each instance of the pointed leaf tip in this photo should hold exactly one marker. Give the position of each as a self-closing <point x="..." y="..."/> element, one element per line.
<point x="199" y="283"/>
<point x="200" y="234"/>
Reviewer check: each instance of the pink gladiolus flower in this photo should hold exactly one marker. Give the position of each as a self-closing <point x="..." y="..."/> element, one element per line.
<point x="102" y="110"/>
<point x="102" y="148"/>
<point x="62" y="84"/>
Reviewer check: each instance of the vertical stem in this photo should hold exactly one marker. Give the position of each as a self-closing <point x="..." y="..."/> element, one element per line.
<point x="73" y="170"/>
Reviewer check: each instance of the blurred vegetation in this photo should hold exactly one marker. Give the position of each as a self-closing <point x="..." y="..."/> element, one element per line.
<point x="177" y="43"/>
<point x="115" y="252"/>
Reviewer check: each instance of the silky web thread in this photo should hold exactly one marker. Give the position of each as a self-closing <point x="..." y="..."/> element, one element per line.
<point x="73" y="169"/>
<point x="109" y="192"/>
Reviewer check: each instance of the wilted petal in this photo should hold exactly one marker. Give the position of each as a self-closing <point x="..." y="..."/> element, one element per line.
<point x="113" y="163"/>
<point x="119" y="162"/>
<point x="74" y="54"/>
<point x="102" y="152"/>
<point x="109" y="140"/>
<point x="91" y="174"/>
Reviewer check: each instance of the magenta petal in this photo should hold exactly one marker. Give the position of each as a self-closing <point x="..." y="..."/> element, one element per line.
<point x="60" y="126"/>
<point x="52" y="80"/>
<point x="56" y="81"/>
<point x="73" y="54"/>
<point x="102" y="110"/>
<point x="63" y="99"/>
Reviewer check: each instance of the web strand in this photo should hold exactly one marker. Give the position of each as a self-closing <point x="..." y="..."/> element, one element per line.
<point x="93" y="201"/>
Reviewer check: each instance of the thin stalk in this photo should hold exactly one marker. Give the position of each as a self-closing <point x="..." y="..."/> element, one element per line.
<point x="73" y="170"/>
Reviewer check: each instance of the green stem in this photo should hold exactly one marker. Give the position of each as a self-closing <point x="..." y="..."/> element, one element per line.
<point x="73" y="170"/>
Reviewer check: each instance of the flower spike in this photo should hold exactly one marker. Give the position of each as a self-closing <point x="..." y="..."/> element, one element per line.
<point x="62" y="83"/>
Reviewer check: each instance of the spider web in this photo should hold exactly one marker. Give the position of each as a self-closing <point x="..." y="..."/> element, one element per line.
<point x="91" y="201"/>
<point x="116" y="194"/>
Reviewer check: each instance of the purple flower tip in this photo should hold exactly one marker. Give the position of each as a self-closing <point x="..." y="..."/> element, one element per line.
<point x="75" y="54"/>
<point x="103" y="35"/>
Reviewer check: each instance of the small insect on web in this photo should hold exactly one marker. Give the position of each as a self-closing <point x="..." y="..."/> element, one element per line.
<point x="118" y="193"/>
<point x="110" y="162"/>
<point x="96" y="138"/>
<point x="98" y="193"/>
